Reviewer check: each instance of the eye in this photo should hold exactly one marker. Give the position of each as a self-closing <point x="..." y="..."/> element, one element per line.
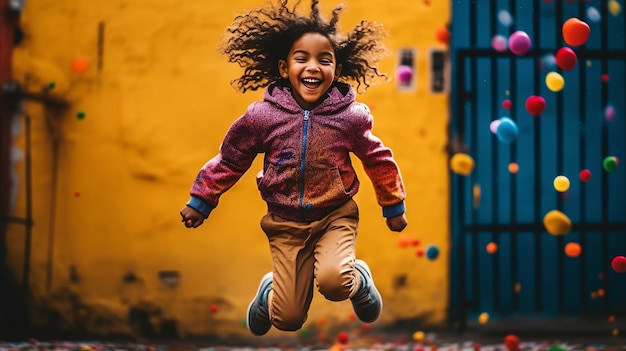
<point x="299" y="59"/>
<point x="326" y="61"/>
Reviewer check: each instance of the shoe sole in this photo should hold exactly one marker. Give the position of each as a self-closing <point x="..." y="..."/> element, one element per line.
<point x="369" y="272"/>
<point x="267" y="278"/>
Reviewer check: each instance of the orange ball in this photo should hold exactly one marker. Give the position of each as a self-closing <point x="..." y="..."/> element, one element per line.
<point x="573" y="249"/>
<point x="513" y="168"/>
<point x="575" y="32"/>
<point x="443" y="35"/>
<point x="80" y="65"/>
<point x="492" y="247"/>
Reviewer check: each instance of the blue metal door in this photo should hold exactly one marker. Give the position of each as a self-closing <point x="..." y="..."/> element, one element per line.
<point x="511" y="187"/>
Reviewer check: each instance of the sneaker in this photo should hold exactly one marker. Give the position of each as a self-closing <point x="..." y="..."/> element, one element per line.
<point x="258" y="320"/>
<point x="367" y="302"/>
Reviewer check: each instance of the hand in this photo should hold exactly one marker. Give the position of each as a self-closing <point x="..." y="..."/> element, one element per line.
<point x="397" y="223"/>
<point x="191" y="217"/>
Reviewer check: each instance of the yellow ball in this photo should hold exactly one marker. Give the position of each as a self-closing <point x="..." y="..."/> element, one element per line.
<point x="561" y="183"/>
<point x="554" y="81"/>
<point x="418" y="336"/>
<point x="483" y="318"/>
<point x="462" y="164"/>
<point x="557" y="223"/>
<point x="614" y="7"/>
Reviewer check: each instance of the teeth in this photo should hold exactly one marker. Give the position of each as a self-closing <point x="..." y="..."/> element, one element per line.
<point x="311" y="80"/>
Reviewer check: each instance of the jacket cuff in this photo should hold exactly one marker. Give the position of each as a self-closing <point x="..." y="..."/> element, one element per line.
<point x="200" y="205"/>
<point x="394" y="210"/>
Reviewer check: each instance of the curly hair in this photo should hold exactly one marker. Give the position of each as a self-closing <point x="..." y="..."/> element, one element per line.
<point x="258" y="39"/>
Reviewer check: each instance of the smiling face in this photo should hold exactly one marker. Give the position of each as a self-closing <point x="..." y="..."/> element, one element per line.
<point x="311" y="68"/>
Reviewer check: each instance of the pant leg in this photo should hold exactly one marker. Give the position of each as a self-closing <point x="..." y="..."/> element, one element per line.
<point x="336" y="277"/>
<point x="291" y="245"/>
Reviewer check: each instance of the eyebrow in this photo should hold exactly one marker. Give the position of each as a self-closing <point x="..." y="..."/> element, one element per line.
<point x="330" y="53"/>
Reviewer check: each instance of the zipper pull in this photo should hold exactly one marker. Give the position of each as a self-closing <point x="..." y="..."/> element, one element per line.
<point x="306" y="114"/>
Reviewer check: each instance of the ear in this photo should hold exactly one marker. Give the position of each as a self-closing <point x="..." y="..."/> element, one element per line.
<point x="337" y="71"/>
<point x="282" y="68"/>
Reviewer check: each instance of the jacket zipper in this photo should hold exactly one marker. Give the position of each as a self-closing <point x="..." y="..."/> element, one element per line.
<point x="303" y="157"/>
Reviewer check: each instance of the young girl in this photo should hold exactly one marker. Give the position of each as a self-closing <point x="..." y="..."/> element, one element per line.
<point x="306" y="126"/>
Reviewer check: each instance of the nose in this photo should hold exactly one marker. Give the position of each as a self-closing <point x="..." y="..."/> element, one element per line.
<point x="313" y="67"/>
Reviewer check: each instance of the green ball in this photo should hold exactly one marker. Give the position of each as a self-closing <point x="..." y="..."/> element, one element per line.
<point x="610" y="163"/>
<point x="80" y="114"/>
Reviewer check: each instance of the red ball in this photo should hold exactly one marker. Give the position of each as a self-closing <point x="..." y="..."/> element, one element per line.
<point x="535" y="105"/>
<point x="566" y="58"/>
<point x="511" y="342"/>
<point x="584" y="175"/>
<point x="619" y="264"/>
<point x="342" y="338"/>
<point x="507" y="104"/>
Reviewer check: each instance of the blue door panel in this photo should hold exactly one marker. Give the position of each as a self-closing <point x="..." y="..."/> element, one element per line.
<point x="530" y="275"/>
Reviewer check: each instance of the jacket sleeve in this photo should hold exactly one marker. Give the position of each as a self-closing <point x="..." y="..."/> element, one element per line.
<point x="379" y="164"/>
<point x="237" y="152"/>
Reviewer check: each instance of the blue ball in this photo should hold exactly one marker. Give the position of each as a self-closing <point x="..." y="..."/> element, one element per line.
<point x="507" y="130"/>
<point x="432" y="252"/>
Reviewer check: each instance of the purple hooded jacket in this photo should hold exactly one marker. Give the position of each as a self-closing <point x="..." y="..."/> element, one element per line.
<point x="307" y="170"/>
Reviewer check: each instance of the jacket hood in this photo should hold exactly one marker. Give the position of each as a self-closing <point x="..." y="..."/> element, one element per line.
<point x="339" y="96"/>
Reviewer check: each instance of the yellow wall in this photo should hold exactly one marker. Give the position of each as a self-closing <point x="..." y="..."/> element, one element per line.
<point x="157" y="102"/>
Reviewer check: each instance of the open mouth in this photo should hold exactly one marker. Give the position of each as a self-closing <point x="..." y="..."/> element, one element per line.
<point x="311" y="83"/>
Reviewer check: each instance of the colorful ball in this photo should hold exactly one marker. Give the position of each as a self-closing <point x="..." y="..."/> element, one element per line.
<point x="507" y="130"/>
<point x="557" y="223"/>
<point x="483" y="318"/>
<point x="561" y="183"/>
<point x="584" y="175"/>
<point x="432" y="252"/>
<point x="404" y="74"/>
<point x="610" y="163"/>
<point x="491" y="248"/>
<point x="493" y="126"/>
<point x="566" y="58"/>
<point x="554" y="81"/>
<point x="511" y="342"/>
<point x="343" y="338"/>
<point x="519" y="42"/>
<point x="499" y="43"/>
<point x="462" y="164"/>
<point x="619" y="264"/>
<point x="513" y="168"/>
<point x="507" y="104"/>
<point x="572" y="249"/>
<point x="442" y="35"/>
<point x="419" y="335"/>
<point x="80" y="65"/>
<point x="614" y="7"/>
<point x="535" y="105"/>
<point x="575" y="32"/>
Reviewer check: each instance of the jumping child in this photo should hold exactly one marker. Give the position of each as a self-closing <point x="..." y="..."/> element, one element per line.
<point x="307" y="125"/>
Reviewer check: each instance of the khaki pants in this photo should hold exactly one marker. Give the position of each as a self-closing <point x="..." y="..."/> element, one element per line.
<point x="322" y="251"/>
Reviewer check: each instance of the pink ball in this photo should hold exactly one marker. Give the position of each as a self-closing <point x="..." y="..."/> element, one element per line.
<point x="498" y="43"/>
<point x="519" y="42"/>
<point x="404" y="74"/>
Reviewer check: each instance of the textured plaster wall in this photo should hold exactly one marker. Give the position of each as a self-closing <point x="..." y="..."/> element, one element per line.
<point x="107" y="241"/>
